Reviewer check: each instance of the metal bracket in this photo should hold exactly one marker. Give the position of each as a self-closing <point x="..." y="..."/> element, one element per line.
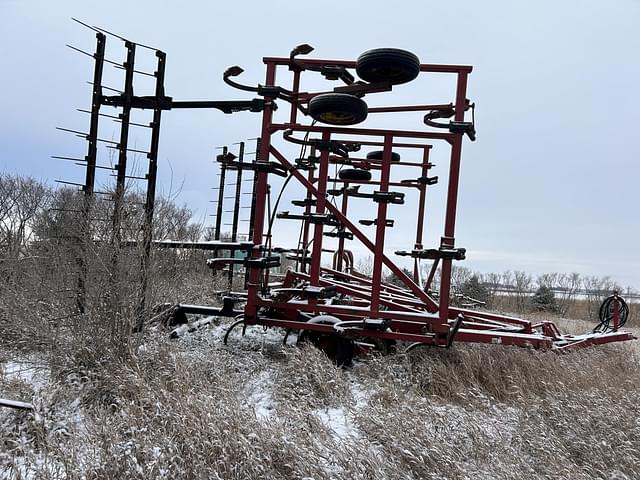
<point x="428" y="180"/>
<point x="307" y="202"/>
<point x="360" y="89"/>
<point x="309" y="291"/>
<point x="463" y="127"/>
<point x="335" y="192"/>
<point x="269" y="167"/>
<point x="308" y="163"/>
<point x="167" y="103"/>
<point x="433" y="253"/>
<point x="339" y="234"/>
<point x="262" y="262"/>
<point x="368" y="223"/>
<point x="389" y="197"/>
<point x="340" y="149"/>
<point x="227" y="310"/>
<point x="215" y="263"/>
<point x="314" y="218"/>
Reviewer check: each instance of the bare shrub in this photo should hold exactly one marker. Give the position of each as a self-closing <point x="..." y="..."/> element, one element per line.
<point x="596" y="290"/>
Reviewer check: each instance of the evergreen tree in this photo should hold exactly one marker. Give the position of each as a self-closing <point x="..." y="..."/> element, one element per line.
<point x="475" y="290"/>
<point x="544" y="300"/>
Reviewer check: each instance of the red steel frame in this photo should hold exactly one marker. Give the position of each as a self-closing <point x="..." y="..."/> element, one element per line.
<point x="413" y="314"/>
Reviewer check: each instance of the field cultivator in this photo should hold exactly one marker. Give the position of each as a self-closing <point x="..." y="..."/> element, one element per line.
<point x="352" y="175"/>
<point x="336" y="307"/>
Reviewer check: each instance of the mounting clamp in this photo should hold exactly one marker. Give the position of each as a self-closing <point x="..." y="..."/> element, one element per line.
<point x="339" y="234"/>
<point x="433" y="253"/>
<point x="389" y="197"/>
<point x="262" y="262"/>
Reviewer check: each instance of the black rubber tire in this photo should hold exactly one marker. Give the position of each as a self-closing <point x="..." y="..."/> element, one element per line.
<point x="338" y="109"/>
<point x="356" y="174"/>
<point x="388" y="65"/>
<point x="337" y="348"/>
<point x="377" y="155"/>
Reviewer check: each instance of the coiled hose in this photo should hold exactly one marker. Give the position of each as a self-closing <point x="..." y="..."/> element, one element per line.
<point x="607" y="313"/>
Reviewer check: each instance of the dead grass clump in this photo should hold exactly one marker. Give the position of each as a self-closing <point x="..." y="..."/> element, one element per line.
<point x="596" y="435"/>
<point x="515" y="374"/>
<point x="409" y="434"/>
<point x="307" y="376"/>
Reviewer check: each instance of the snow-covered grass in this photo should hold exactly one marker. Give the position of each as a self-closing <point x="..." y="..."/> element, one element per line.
<point x="194" y="408"/>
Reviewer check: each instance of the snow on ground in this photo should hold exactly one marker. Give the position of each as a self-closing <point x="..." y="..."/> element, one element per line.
<point x="27" y="378"/>
<point x="28" y="370"/>
<point x="255" y="337"/>
<point x="339" y="421"/>
<point x="259" y="395"/>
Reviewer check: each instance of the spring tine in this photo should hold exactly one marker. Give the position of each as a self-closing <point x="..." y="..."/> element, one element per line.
<point x="107" y="141"/>
<point x="116" y="118"/>
<point x="137" y="71"/>
<point x="84" y="24"/>
<point x="128" y="149"/>
<point x="101" y="114"/>
<point x="58" y="157"/>
<point x="80" y="51"/>
<point x="134" y="124"/>
<point x="109" y="88"/>
<point x="131" y="177"/>
<point x="82" y="134"/>
<point x="124" y="39"/>
<point x="115" y="64"/>
<point x="70" y="183"/>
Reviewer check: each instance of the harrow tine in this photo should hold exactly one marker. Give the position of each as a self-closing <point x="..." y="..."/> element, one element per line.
<point x="98" y="29"/>
<point x="80" y="50"/>
<point x="59" y="157"/>
<point x="108" y="88"/>
<point x="85" y="25"/>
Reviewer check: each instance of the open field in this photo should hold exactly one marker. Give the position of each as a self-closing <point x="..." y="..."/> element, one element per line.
<point x="194" y="408"/>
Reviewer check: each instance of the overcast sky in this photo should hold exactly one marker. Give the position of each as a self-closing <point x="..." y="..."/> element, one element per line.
<point x="551" y="184"/>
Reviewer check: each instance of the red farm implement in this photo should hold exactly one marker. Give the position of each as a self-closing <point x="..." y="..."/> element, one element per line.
<point x="353" y="174"/>
<point x="336" y="306"/>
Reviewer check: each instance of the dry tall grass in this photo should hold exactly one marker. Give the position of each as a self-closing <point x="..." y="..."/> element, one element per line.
<point x="193" y="408"/>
